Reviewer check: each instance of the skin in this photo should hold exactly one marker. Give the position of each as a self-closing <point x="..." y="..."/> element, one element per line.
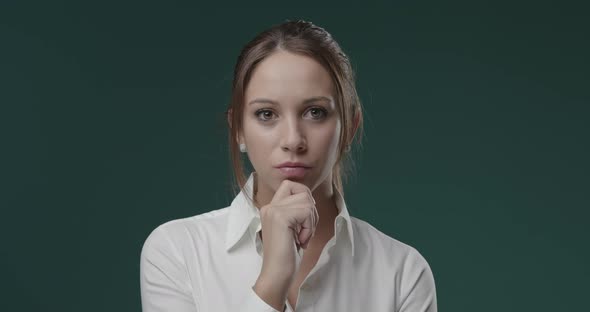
<point x="294" y="129"/>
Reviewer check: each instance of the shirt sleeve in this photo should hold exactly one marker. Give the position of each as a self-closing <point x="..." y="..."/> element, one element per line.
<point x="418" y="291"/>
<point x="165" y="284"/>
<point x="253" y="303"/>
<point x="164" y="280"/>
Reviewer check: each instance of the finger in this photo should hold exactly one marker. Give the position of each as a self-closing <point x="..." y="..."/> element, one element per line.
<point x="306" y="226"/>
<point x="315" y="214"/>
<point x="301" y="198"/>
<point x="313" y="217"/>
<point x="300" y="210"/>
<point x="317" y="219"/>
<point x="296" y="237"/>
<point x="287" y="188"/>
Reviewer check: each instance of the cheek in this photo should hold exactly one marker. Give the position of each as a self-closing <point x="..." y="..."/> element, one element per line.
<point x="333" y="134"/>
<point x="259" y="141"/>
<point x="254" y="132"/>
<point x="260" y="136"/>
<point x="327" y="139"/>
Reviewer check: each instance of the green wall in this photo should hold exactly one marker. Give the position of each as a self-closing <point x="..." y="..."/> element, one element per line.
<point x="476" y="148"/>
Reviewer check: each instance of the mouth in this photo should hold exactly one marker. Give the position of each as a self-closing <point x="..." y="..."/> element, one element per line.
<point x="296" y="172"/>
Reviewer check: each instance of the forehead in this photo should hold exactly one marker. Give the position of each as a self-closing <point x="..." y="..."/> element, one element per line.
<point x="285" y="76"/>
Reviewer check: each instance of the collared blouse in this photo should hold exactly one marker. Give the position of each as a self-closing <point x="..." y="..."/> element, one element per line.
<point x="211" y="261"/>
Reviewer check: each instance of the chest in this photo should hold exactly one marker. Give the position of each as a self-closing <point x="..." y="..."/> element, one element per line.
<point x="308" y="262"/>
<point x="330" y="282"/>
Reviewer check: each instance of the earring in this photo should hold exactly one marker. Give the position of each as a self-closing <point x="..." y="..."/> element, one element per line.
<point x="347" y="148"/>
<point x="242" y="147"/>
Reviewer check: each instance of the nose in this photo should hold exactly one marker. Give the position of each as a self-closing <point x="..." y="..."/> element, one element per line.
<point x="293" y="138"/>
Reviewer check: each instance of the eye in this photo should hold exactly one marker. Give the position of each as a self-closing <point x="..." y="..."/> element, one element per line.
<point x="316" y="112"/>
<point x="322" y="112"/>
<point x="265" y="112"/>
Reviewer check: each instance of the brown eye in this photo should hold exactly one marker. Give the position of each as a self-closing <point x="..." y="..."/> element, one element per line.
<point x="265" y="113"/>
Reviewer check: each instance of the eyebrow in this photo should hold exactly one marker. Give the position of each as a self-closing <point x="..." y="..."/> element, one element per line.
<point x="310" y="100"/>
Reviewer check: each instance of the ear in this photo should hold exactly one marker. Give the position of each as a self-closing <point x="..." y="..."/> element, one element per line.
<point x="229" y="123"/>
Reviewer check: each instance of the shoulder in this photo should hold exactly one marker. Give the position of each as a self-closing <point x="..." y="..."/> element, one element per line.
<point x="179" y="234"/>
<point x="370" y="240"/>
<point x="410" y="275"/>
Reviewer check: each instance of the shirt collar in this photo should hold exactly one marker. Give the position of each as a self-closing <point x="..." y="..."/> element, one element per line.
<point x="244" y="215"/>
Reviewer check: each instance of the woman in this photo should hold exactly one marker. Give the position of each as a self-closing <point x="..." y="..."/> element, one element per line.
<point x="286" y="242"/>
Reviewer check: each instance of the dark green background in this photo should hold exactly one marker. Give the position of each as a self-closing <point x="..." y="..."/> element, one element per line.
<point x="476" y="148"/>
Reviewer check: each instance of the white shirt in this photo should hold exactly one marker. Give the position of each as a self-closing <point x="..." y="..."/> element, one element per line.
<point x="211" y="261"/>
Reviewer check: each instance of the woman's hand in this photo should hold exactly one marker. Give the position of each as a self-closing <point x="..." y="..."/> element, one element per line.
<point x="288" y="222"/>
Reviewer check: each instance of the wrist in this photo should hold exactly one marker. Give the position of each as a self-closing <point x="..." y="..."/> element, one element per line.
<point x="273" y="295"/>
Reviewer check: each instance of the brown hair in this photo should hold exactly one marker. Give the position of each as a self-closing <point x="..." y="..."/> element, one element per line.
<point x="307" y="39"/>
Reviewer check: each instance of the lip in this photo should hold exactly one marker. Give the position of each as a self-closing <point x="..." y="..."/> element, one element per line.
<point x="293" y="164"/>
<point x="293" y="172"/>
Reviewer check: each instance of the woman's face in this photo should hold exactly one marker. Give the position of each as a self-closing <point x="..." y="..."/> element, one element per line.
<point x="302" y="125"/>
